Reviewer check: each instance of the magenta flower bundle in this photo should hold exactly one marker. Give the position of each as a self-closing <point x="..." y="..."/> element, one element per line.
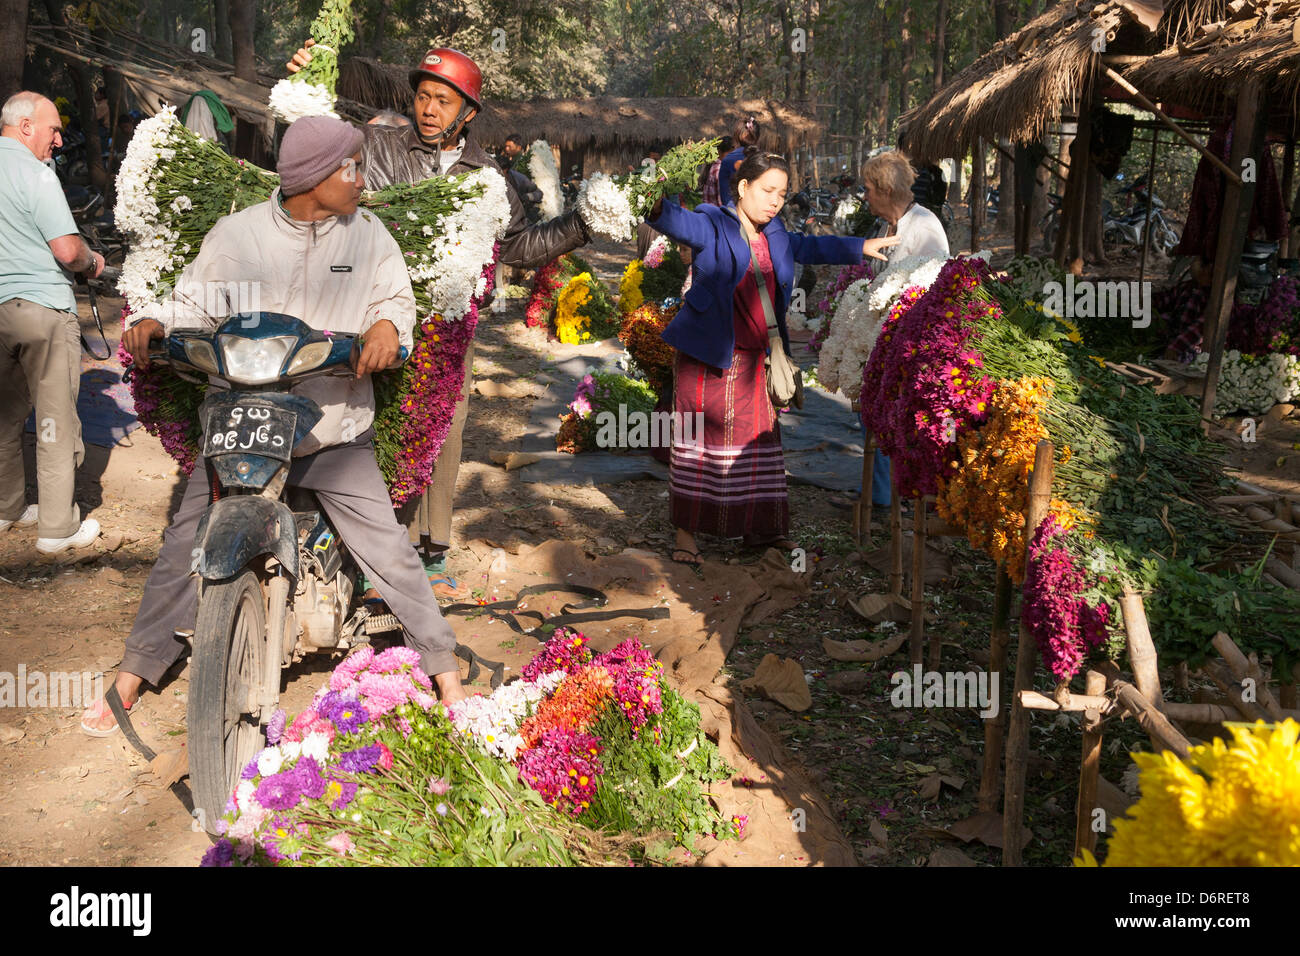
<point x="167" y="413"/>
<point x="566" y="651"/>
<point x="564" y="768"/>
<point x="1056" y="610"/>
<point x="923" y="384"/>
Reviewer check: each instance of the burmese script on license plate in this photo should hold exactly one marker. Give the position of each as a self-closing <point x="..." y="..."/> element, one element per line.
<point x="252" y="429"/>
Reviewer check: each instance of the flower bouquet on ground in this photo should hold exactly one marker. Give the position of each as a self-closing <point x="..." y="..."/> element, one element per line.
<point x="652" y="280"/>
<point x="601" y="402"/>
<point x="604" y="740"/>
<point x="372" y="773"/>
<point x="173" y="188"/>
<point x="613" y="205"/>
<point x="547" y="283"/>
<point x="1226" y="804"/>
<point x="310" y="91"/>
<point x="584" y="311"/>
<point x="652" y="357"/>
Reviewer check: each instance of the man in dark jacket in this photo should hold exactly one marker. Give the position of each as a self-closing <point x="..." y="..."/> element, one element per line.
<point x="447" y="87"/>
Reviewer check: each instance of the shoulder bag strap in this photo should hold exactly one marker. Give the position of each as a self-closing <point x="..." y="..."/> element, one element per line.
<point x="768" y="312"/>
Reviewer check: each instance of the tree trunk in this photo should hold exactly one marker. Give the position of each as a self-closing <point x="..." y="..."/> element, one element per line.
<point x="221" y="29"/>
<point x="377" y="37"/>
<point x="940" y="41"/>
<point x="85" y="101"/>
<point x="909" y="53"/>
<point x="1092" y="247"/>
<point x="13" y="46"/>
<point x="243" y="17"/>
<point x="883" y="77"/>
<point x="803" y="57"/>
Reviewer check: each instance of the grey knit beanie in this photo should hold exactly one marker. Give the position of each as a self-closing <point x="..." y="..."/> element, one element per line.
<point x="312" y="149"/>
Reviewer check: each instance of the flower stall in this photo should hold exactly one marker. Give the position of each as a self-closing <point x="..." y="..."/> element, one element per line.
<point x="659" y="276"/>
<point x="1101" y="501"/>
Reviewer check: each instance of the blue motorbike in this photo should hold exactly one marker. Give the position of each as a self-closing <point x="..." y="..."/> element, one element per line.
<point x="275" y="581"/>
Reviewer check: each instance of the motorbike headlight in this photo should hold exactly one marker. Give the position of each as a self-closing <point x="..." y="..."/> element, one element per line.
<point x="255" y="361"/>
<point x="200" y="354"/>
<point x="309" y="356"/>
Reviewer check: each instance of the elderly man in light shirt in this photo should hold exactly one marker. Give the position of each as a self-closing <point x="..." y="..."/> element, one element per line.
<point x="308" y="252"/>
<point x="40" y="351"/>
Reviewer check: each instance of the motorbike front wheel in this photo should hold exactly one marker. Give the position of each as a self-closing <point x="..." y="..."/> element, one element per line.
<point x="226" y="671"/>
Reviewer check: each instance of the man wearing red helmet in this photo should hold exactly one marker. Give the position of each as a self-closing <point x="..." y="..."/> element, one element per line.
<point x="447" y="94"/>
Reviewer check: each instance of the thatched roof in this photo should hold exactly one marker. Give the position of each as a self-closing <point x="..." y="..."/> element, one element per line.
<point x="1209" y="64"/>
<point x="1019" y="87"/>
<point x="602" y="122"/>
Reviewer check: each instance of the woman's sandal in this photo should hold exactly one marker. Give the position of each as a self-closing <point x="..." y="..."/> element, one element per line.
<point x="693" y="558"/>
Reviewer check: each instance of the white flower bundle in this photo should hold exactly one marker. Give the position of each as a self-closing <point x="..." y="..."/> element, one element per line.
<point x="1253" y="384"/>
<point x="310" y="91"/>
<point x="493" y="722"/>
<point x="292" y="99"/>
<point x="606" y="207"/>
<point x="859" y="313"/>
<point x="844" y="213"/>
<point x="546" y="175"/>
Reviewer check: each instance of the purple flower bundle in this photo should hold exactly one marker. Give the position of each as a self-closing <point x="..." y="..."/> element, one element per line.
<point x="566" y="651"/>
<point x="1064" y="624"/>
<point x="923" y="384"/>
<point x="166" y="406"/>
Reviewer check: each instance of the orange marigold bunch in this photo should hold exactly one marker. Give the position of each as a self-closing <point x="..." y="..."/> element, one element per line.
<point x="640" y="334"/>
<point x="574" y="706"/>
<point x="988" y="490"/>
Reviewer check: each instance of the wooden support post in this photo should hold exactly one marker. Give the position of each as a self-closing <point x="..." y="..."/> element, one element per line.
<point x="862" y="510"/>
<point x="1163" y="734"/>
<point x="1151" y="191"/>
<point x="895" y="542"/>
<point x="1180" y="677"/>
<point x="1244" y="669"/>
<point x="991" y="777"/>
<point x="1085" y="838"/>
<point x="1013" y="801"/>
<point x="1080" y="172"/>
<point x="978" y="195"/>
<point x="1251" y="710"/>
<point x="917" y="639"/>
<point x="1247" y="143"/>
<point x="1141" y="650"/>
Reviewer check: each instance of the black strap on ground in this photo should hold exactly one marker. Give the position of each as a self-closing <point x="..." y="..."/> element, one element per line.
<point x="114" y="700"/>
<point x="507" y="611"/>
<point x="94" y="310"/>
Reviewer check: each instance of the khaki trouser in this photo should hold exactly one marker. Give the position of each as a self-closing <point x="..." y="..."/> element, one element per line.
<point x="40" y="365"/>
<point x="429" y="516"/>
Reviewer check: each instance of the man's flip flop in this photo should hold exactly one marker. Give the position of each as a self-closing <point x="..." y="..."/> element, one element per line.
<point x="112" y="701"/>
<point x="693" y="558"/>
<point x="445" y="586"/>
<point x="96" y="712"/>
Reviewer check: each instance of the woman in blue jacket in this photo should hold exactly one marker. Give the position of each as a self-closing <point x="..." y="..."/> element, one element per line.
<point x="728" y="477"/>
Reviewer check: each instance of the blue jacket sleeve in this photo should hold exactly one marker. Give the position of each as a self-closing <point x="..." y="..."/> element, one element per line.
<point x="692" y="228"/>
<point x="828" y="250"/>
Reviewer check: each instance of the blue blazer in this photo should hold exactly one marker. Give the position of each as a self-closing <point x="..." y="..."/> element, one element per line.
<point x="703" y="328"/>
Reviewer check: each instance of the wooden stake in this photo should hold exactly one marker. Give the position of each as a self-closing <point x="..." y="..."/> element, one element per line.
<point x="1232" y="687"/>
<point x="1244" y="670"/>
<point x="895" y="541"/>
<point x="915" y="644"/>
<point x="1141" y="651"/>
<point x="991" y="777"/>
<point x="1013" y="803"/>
<point x="862" y="515"/>
<point x="1077" y="703"/>
<point x="1163" y="734"/>
<point x="1180" y="677"/>
<point x="1085" y="838"/>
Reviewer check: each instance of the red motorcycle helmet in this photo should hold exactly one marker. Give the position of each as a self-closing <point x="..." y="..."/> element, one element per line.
<point x="453" y="68"/>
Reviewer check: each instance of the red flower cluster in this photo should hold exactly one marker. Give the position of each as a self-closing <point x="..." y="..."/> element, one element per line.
<point x="547" y="284"/>
<point x="1065" y="626"/>
<point x="563" y="768"/>
<point x="922" y="386"/>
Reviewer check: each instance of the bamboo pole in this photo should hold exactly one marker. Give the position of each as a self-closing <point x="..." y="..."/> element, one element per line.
<point x="1075" y="703"/>
<point x="1163" y="734"/>
<point x="1141" y="650"/>
<point x="1013" y="803"/>
<point x="917" y="640"/>
<point x="991" y="776"/>
<point x="1089" y="767"/>
<point x="1209" y="712"/>
<point x="862" y="510"/>
<point x="1230" y="686"/>
<point x="978" y="195"/>
<point x="1187" y="137"/>
<point x="1243" y="670"/>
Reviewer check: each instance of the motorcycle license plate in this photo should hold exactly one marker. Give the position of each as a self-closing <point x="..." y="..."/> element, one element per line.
<point x="249" y="429"/>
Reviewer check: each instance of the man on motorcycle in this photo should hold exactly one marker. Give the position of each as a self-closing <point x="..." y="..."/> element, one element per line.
<point x="447" y="89"/>
<point x="310" y="253"/>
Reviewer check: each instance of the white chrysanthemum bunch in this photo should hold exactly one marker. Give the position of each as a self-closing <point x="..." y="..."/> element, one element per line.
<point x="154" y="249"/>
<point x="493" y="722"/>
<point x="859" y="314"/>
<point x="546" y="175"/>
<point x="453" y="269"/>
<point x="292" y="99"/>
<point x="606" y="207"/>
<point x="1253" y="384"/>
<point x="844" y="213"/>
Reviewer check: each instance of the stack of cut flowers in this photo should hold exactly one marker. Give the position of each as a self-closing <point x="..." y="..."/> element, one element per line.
<point x="651" y="280"/>
<point x="547" y="283"/>
<point x="584" y="311"/>
<point x="376" y="772"/>
<point x="613" y="205"/>
<point x="582" y="429"/>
